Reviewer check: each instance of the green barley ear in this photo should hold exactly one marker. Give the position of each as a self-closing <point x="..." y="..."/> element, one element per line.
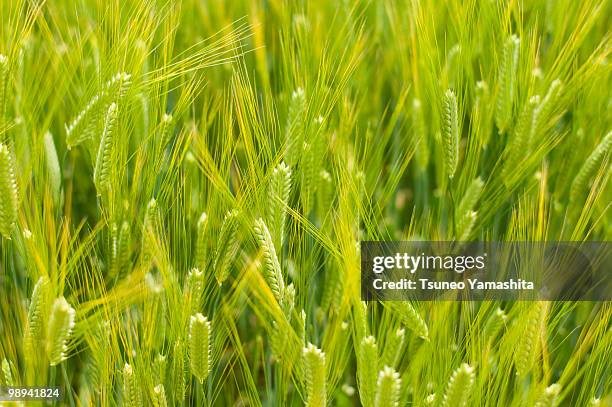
<point x="334" y="284"/>
<point x="410" y="318"/>
<point x="288" y="301"/>
<point x="278" y="194"/>
<point x="394" y="348"/>
<point x="388" y="388"/>
<point x="450" y="127"/>
<point x="294" y="132"/>
<point x="470" y="198"/>
<point x="166" y="129"/>
<point x="151" y="228"/>
<point x="549" y="398"/>
<point x="227" y="245"/>
<point x="7" y="373"/>
<point x="523" y="133"/>
<point x="59" y="330"/>
<point x="367" y="363"/>
<point x="180" y="371"/>
<point x="420" y="133"/>
<point x="595" y="402"/>
<point x="430" y="400"/>
<point x="278" y="341"/>
<point x="533" y="328"/>
<point x="459" y="387"/>
<point x="495" y="323"/>
<point x="548" y="105"/>
<point x="360" y="320"/>
<point x="132" y="395"/>
<point x="106" y="157"/>
<point x="121" y="241"/>
<point x="85" y="124"/>
<point x="199" y="346"/>
<point x="465" y="225"/>
<point x="507" y="83"/>
<point x="194" y="289"/>
<point x="159" y="369"/>
<point x="36" y="314"/>
<point x="201" y="250"/>
<point x="315" y="371"/>
<point x="272" y="268"/>
<point x="3" y="86"/>
<point x="8" y="192"/>
<point x="53" y="168"/>
<point x="325" y="194"/>
<point x="589" y="167"/>
<point x="159" y="396"/>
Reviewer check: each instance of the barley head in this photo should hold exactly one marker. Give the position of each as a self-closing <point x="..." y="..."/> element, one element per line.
<point x="387" y="388"/>
<point x="8" y="192"/>
<point x="106" y="157"/>
<point x="367" y="367"/>
<point x="549" y="398"/>
<point x="201" y="254"/>
<point x="315" y="371"/>
<point x="450" y="123"/>
<point x="200" y="346"/>
<point x="459" y="387"/>
<point x="227" y="245"/>
<point x="59" y="330"/>
<point x="132" y="394"/>
<point x="507" y="83"/>
<point x="159" y="396"/>
<point x="272" y="268"/>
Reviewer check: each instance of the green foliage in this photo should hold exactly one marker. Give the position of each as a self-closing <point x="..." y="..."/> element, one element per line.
<point x="161" y="160"/>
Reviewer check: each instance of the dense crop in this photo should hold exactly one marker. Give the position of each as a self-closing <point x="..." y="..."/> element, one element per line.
<point x="184" y="186"/>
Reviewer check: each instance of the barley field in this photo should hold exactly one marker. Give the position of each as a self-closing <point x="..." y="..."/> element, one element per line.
<point x="184" y="186"/>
